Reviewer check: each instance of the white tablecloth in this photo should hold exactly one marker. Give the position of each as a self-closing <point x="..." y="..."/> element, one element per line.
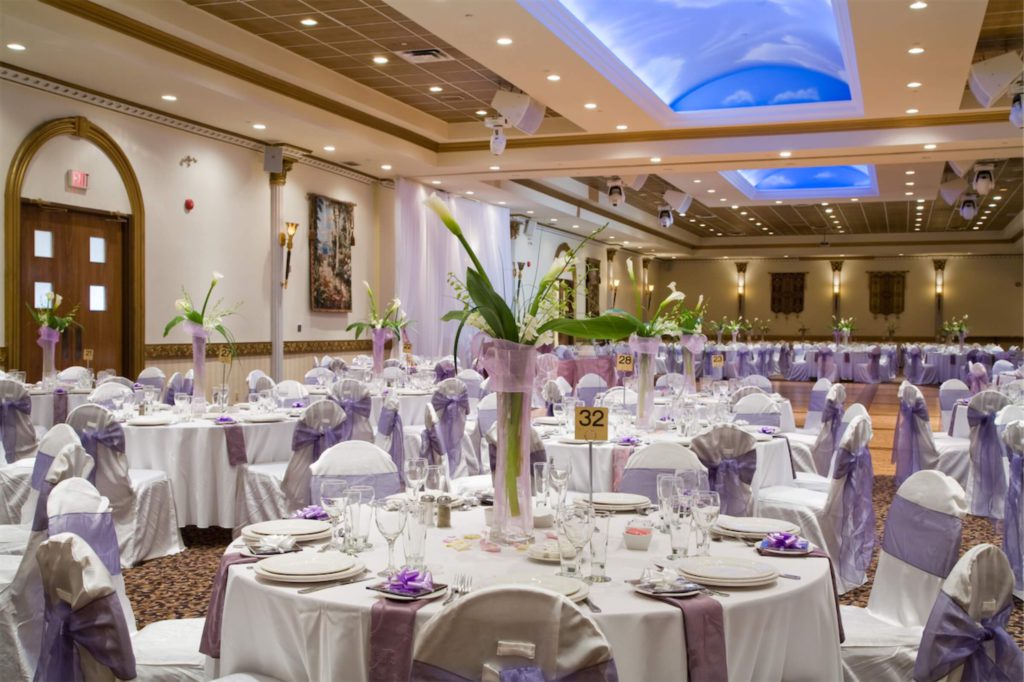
<point x="42" y="406"/>
<point x="194" y="456"/>
<point x="948" y="364"/>
<point x="410" y="406"/>
<point x="786" y="631"/>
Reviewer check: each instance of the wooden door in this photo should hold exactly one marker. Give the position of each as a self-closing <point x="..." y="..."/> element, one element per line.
<point x="79" y="254"/>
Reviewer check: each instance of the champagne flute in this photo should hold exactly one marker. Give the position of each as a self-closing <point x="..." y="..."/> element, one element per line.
<point x="558" y="477"/>
<point x="415" y="475"/>
<point x="706" y="505"/>
<point x="576" y="524"/>
<point x="390" y="516"/>
<point x="540" y="482"/>
<point x="667" y="489"/>
<point x="332" y="500"/>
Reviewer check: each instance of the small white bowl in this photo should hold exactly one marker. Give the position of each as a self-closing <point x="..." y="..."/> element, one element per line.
<point x="639" y="543"/>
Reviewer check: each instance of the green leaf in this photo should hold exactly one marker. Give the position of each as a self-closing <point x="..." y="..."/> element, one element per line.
<point x="360" y="327"/>
<point x="459" y="315"/>
<point x="458" y="333"/>
<point x="223" y="331"/>
<point x="610" y="327"/>
<point x="492" y="307"/>
<point x="173" y="323"/>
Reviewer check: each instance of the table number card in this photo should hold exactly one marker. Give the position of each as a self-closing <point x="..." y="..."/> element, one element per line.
<point x="224" y="355"/>
<point x="87" y="355"/>
<point x="407" y="348"/>
<point x="592" y="423"/>
<point x="717" y="360"/>
<point x="624" y="362"/>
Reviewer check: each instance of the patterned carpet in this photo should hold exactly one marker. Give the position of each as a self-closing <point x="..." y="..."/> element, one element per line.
<point x="179" y="586"/>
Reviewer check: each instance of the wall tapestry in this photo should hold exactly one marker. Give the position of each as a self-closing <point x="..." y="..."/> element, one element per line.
<point x="788" y="292"/>
<point x="886" y="292"/>
<point x="593" y="287"/>
<point x="331" y="238"/>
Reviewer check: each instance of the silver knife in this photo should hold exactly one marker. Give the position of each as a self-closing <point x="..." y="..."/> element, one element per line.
<point x="591" y="605"/>
<point x="364" y="576"/>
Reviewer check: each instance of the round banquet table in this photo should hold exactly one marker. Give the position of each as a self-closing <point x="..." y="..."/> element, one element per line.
<point x="42" y="405"/>
<point x="948" y="364"/>
<point x="194" y="455"/>
<point x="784" y="631"/>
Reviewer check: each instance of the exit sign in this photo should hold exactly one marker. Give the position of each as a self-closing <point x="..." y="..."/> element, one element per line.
<point x="77" y="180"/>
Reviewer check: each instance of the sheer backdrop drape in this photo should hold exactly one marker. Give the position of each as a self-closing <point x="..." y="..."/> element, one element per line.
<point x="425" y="252"/>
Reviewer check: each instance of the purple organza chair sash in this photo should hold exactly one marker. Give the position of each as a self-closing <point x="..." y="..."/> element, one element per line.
<point x="728" y="477"/>
<point x="986" y="463"/>
<point x="785" y="360"/>
<point x="743" y="366"/>
<point x="906" y="448"/>
<point x="186" y="386"/>
<point x="857" y="535"/>
<point x="952" y="638"/>
<point x="353" y="409"/>
<point x="642" y="481"/>
<point x="948" y="398"/>
<point x="444" y="370"/>
<point x="96" y="528"/>
<point x="760" y="418"/>
<point x="9" y="410"/>
<point x="322" y="437"/>
<point x="875" y="365"/>
<point x="817" y="401"/>
<point x="99" y="627"/>
<point x="155" y="382"/>
<point x="431" y="448"/>
<point x="922" y="537"/>
<point x="915" y="369"/>
<point x="704" y="635"/>
<point x="599" y="672"/>
<point x="383" y="484"/>
<point x="451" y="415"/>
<point x="60" y="405"/>
<point x="824" y="358"/>
<point x="1013" y="535"/>
<point x="832" y="415"/>
<point x="390" y="425"/>
<point x="209" y="644"/>
<point x="40" y="469"/>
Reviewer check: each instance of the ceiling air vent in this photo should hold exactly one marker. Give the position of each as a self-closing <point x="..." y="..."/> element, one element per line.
<point x="427" y="56"/>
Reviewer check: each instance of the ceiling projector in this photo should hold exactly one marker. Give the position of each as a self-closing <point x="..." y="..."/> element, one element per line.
<point x="616" y="194"/>
<point x="969" y="206"/>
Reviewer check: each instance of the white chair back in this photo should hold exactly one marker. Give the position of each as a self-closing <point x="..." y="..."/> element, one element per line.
<point x="819" y="393"/>
<point x="105" y="393"/>
<point x="323" y="416"/>
<point x="487" y="412"/>
<point x="588" y="386"/>
<point x="756" y="403"/>
<point x="153" y="376"/>
<point x="50" y="445"/>
<point x="850" y="543"/>
<point x="742" y="392"/>
<point x="950" y="391"/>
<point x="669" y="456"/>
<point x="313" y="376"/>
<point x="349" y="392"/>
<point x="762" y="382"/>
<point x="472" y="379"/>
<point x="618" y="396"/>
<point x="75" y="373"/>
<point x="18" y="433"/>
<point x="357" y="463"/>
<point x="290" y="391"/>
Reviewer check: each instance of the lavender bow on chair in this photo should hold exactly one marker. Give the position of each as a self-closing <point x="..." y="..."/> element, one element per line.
<point x="920" y="536"/>
<point x="906" y="444"/>
<point x="727" y="478"/>
<point x="99" y="627"/>
<point x="9" y="410"/>
<point x="96" y="528"/>
<point x="832" y="414"/>
<point x="111" y="435"/>
<point x="445" y="369"/>
<point x="986" y="463"/>
<point x="952" y="638"/>
<point x="914" y="369"/>
<point x="857" y="535"/>
<point x="390" y="425"/>
<point x="352" y="408"/>
<point x="431" y="448"/>
<point x="451" y="415"/>
<point x="322" y="437"/>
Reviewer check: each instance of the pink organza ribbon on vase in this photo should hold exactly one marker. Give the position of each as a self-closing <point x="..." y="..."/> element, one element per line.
<point x="380" y="338"/>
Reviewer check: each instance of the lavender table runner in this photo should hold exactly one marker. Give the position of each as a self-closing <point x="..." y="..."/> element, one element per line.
<point x="391" y="639"/>
<point x="210" y="642"/>
<point x="620" y="455"/>
<point x="831" y="569"/>
<point x="704" y="629"/>
<point x="235" y="438"/>
<point x="60" y="406"/>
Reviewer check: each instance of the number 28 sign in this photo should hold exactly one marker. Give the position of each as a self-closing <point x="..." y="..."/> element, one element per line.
<point x="592" y="423"/>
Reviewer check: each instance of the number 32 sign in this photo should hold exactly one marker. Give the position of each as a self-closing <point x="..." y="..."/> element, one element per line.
<point x="591" y="423"/>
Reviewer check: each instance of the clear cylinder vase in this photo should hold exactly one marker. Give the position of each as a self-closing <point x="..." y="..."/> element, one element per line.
<point x="646" y="350"/>
<point x="380" y="338"/>
<point x="692" y="344"/>
<point x="846" y="338"/>
<point x="199" y="338"/>
<point x="47" y="341"/>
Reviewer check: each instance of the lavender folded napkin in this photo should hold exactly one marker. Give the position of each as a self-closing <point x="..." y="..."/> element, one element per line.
<point x="831" y="569"/>
<point x="391" y="639"/>
<point x="704" y="630"/>
<point x="210" y="642"/>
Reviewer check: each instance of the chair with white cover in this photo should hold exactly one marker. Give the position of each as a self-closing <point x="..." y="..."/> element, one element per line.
<point x="356" y="463"/>
<point x="730" y="455"/>
<point x="799" y="368"/>
<point x="815" y="405"/>
<point x="977" y="377"/>
<point x="450" y="406"/>
<point x="743" y="392"/>
<point x="830" y="433"/>
<point x="913" y="446"/>
<point x="742" y="366"/>
<point x="869" y="372"/>
<point x="252" y="379"/>
<point x="917" y="371"/>
<point x="986" y="483"/>
<point x="841" y="521"/>
<point x="965" y="636"/>
<point x="354" y="398"/>
<point x="950" y="391"/>
<point x="1001" y="366"/>
<point x="920" y="546"/>
<point x="291" y="393"/>
<point x="1013" y="533"/>
<point x="17" y="433"/>
<point x="140" y="499"/>
<point x="318" y="376"/>
<point x="640" y="475"/>
<point x="486" y="414"/>
<point x="512" y="633"/>
<point x="619" y="395"/>
<point x="759" y="380"/>
<point x="537" y="454"/>
<point x="827" y="367"/>
<point x="107" y="392"/>
<point x="589" y="386"/>
<point x="672" y="380"/>
<point x="472" y="379"/>
<point x="824" y="447"/>
<point x="175" y="384"/>
<point x="153" y="376"/>
<point x="551" y="394"/>
<point x="124" y="381"/>
<point x="76" y="374"/>
<point x="757" y="409"/>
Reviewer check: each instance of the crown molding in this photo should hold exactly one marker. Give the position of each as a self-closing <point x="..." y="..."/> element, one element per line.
<point x="182" y="351"/>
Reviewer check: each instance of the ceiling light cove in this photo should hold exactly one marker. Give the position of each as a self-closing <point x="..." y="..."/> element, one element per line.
<point x="436" y="88"/>
<point x="329" y="148"/>
<point x="622" y="126"/>
<point x="259" y="126"/>
<point x="912" y="110"/>
<point x="785" y="154"/>
<point x="916" y="50"/>
<point x="913" y="85"/>
<point x="380" y="59"/>
<point x="17" y="47"/>
<point x="169" y="98"/>
<point x="809" y="182"/>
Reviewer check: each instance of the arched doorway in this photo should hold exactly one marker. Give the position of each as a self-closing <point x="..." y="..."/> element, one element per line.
<point x="134" y="274"/>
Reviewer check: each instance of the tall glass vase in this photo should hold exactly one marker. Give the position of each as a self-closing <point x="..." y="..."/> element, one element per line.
<point x="846" y="338"/>
<point x="692" y="344"/>
<point x="199" y="337"/>
<point x="511" y="369"/>
<point x="380" y="338"/>
<point x="961" y="336"/>
<point x="646" y="350"/>
<point x="48" y="338"/>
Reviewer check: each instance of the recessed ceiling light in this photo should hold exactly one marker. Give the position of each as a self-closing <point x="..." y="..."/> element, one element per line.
<point x="697" y="182"/>
<point x="612" y="237"/>
<point x="786" y="255"/>
<point x="703" y="225"/>
<point x="438" y="182"/>
<point x="750" y="219"/>
<point x="785" y="154"/>
<point x="504" y="41"/>
<point x="912" y="110"/>
<point x="920" y="201"/>
<point x="735" y="206"/>
<point x="625" y="242"/>
<point x="502" y="203"/>
<point x="622" y="126"/>
<point x="17" y="47"/>
<point x="724" y="199"/>
<point x="909" y="172"/>
<point x="778" y="201"/>
<point x="711" y="191"/>
<point x="930" y="146"/>
<point x="909" y="183"/>
<point x="385" y="166"/>
<point x="913" y="85"/>
<point x="575" y="227"/>
<point x="741" y="212"/>
<point x="470" y="193"/>
<point x="855" y="199"/>
<point x="380" y="59"/>
<point x="531" y="213"/>
<point x="169" y="98"/>
<point x="918" y="5"/>
<point x="908" y="194"/>
<point x="828" y="210"/>
<point x="554" y="77"/>
<point x="899" y="254"/>
<point x="992" y="205"/>
<point x="915" y="50"/>
<point x="329" y="148"/>
<point x="553" y="220"/>
<point x="758" y="224"/>
<point x="495" y="168"/>
<point x="693" y="220"/>
<point x="917" y="229"/>
<point x="975" y="228"/>
<point x="655" y="159"/>
<point x="309" y="22"/>
<point x="996" y="198"/>
<point x="436" y="88"/>
<point x="481" y="112"/>
<point x="590" y="105"/>
<point x="988" y="211"/>
<point x="259" y="126"/>
<point x="824" y="203"/>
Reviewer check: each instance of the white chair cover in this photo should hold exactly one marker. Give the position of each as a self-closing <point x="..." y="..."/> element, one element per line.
<point x="289" y="393"/>
<point x="357" y="463"/>
<point x="354" y="398"/>
<point x="589" y="386"/>
<point x="472" y="379"/>
<point x="50" y="445"/>
<point x="831" y="431"/>
<point x="640" y="475"/>
<point x="252" y="381"/>
<point x="762" y="382"/>
<point x="153" y="376"/>
<point x="17" y="434"/>
<point x="105" y="393"/>
<point x="819" y="392"/>
<point x="75" y="373"/>
<point x="618" y="396"/>
<point x="123" y="381"/>
<point x="743" y="392"/>
<point x="730" y="455"/>
<point x="490" y="626"/>
<point x="950" y="391"/>
<point x="311" y="377"/>
<point x="487" y="414"/>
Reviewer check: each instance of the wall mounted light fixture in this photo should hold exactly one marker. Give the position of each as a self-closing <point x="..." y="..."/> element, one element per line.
<point x="287" y="238"/>
<point x="741" y="288"/>
<point x="615" y="291"/>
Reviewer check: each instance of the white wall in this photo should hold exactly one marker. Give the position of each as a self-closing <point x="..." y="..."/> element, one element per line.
<point x="227" y="231"/>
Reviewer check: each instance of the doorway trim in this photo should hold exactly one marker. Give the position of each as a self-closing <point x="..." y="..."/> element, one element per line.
<point x="135" y="277"/>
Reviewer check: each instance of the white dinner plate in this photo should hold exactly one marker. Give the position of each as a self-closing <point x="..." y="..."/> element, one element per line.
<point x="252" y="539"/>
<point x="574" y="589"/>
<point x="686" y="589"/>
<point x="151" y="420"/>
<point x="265" y="417"/>
<point x="548" y="421"/>
<point x="620" y="499"/>
<point x="754" y="524"/>
<point x="575" y="441"/>
<point x="438" y="591"/>
<point x="358" y="568"/>
<point x="412" y="391"/>
<point x="294" y="527"/>
<point x="308" y="563"/>
<point x="734" y="571"/>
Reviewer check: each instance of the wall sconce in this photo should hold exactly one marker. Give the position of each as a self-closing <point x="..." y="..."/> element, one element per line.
<point x="287" y="238"/>
<point x="615" y="291"/>
<point x="835" y="282"/>
<point x="939" y="278"/>
<point x="650" y="294"/>
<point x="741" y="282"/>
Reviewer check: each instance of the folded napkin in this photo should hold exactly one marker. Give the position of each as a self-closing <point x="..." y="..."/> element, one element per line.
<point x="831" y="569"/>
<point x="704" y="631"/>
<point x="276" y="543"/>
<point x="391" y="639"/>
<point x="235" y="438"/>
<point x="210" y="642"/>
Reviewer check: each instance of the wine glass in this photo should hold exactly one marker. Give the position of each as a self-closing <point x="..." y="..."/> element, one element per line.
<point x="332" y="500"/>
<point x="390" y="516"/>
<point x="415" y="475"/>
<point x="569" y="405"/>
<point x="558" y="412"/>
<point x="576" y="524"/>
<point x="706" y="506"/>
<point x="436" y="480"/>
<point x="118" y="401"/>
<point x="540" y="482"/>
<point x="558" y="477"/>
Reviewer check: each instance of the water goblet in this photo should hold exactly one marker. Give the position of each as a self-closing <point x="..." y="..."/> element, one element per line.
<point x="706" y="505"/>
<point x="360" y="516"/>
<point x="680" y="511"/>
<point x="558" y="477"/>
<point x="415" y="474"/>
<point x="569" y="405"/>
<point x="558" y="411"/>
<point x="390" y="517"/>
<point x="576" y="525"/>
<point x="414" y="535"/>
<point x="148" y="395"/>
<point x="332" y="500"/>
<point x="118" y="401"/>
<point x="183" y="406"/>
<point x="436" y="480"/>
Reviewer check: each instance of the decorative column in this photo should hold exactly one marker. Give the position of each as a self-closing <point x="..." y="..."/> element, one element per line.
<point x="741" y="288"/>
<point x="837" y="268"/>
<point x="277" y="181"/>
<point x="940" y="278"/>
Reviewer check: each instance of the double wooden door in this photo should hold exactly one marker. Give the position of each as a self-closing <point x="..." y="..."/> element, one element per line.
<point x="78" y="254"/>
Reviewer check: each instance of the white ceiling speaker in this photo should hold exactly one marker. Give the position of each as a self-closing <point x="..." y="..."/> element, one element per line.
<point x="991" y="79"/>
<point x="616" y="193"/>
<point x="497" y="125"/>
<point x="635" y="182"/>
<point x="969" y="206"/>
<point x="680" y="201"/>
<point x="665" y="218"/>
<point x="521" y="110"/>
<point x="951" y="191"/>
<point x="984" y="178"/>
<point x="961" y="167"/>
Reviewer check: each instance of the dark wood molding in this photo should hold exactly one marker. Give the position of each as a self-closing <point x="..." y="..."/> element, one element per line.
<point x="181" y="351"/>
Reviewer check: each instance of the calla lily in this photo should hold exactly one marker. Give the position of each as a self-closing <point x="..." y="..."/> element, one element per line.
<point x="57" y="298"/>
<point x="629" y="269"/>
<point x="217" y="276"/>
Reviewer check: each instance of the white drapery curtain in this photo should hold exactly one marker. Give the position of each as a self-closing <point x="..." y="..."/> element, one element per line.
<point x="425" y="252"/>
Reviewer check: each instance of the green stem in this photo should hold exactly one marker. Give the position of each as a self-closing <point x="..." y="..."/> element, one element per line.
<point x="206" y="300"/>
<point x="513" y="450"/>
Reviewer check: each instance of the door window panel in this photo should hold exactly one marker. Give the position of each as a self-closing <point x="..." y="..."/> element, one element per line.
<point x="41" y="290"/>
<point x="43" y="244"/>
<point x="97" y="298"/>
<point x="97" y="250"/>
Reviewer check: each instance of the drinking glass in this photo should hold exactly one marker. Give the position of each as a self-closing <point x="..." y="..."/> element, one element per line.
<point x="691" y="480"/>
<point x="266" y="401"/>
<point x="705" y="513"/>
<point x="220" y="396"/>
<point x="360" y="516"/>
<point x="540" y="482"/>
<point x="558" y="411"/>
<point x="183" y="405"/>
<point x="415" y="474"/>
<point x="118" y="402"/>
<point x="436" y="480"/>
<point x="558" y="477"/>
<point x="599" y="548"/>
<point x="576" y="525"/>
<point x="680" y="511"/>
<point x="667" y="489"/>
<point x="569" y="405"/>
<point x="332" y="500"/>
<point x="414" y="535"/>
<point x="149" y="395"/>
<point x="390" y="516"/>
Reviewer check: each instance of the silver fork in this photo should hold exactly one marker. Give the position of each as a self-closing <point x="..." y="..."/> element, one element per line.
<point x="456" y="589"/>
<point x="467" y="585"/>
